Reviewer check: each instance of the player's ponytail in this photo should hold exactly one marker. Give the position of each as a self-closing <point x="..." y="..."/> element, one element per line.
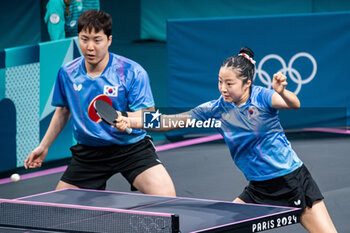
<point x="243" y="63"/>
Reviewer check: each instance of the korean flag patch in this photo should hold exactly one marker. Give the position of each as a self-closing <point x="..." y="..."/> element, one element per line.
<point x="252" y="112"/>
<point x="111" y="90"/>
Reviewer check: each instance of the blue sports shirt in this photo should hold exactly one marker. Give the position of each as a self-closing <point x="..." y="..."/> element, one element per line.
<point x="254" y="135"/>
<point x="123" y="80"/>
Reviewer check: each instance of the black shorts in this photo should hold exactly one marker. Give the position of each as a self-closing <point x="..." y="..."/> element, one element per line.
<point x="91" y="167"/>
<point x="296" y="189"/>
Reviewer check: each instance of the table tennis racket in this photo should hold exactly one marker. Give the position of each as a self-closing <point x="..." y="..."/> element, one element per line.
<point x="101" y="108"/>
<point x="91" y="109"/>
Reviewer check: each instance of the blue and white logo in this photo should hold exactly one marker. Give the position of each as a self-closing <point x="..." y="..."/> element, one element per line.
<point x="151" y="120"/>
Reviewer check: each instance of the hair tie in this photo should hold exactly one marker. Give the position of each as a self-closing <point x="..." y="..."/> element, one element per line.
<point x="247" y="56"/>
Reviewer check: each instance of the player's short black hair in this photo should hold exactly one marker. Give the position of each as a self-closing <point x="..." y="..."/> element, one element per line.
<point x="243" y="63"/>
<point x="94" y="19"/>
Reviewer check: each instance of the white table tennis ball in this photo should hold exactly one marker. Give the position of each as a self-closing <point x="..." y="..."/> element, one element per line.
<point x="15" y="177"/>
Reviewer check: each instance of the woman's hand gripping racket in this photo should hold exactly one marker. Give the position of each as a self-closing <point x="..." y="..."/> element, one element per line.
<point x="101" y="108"/>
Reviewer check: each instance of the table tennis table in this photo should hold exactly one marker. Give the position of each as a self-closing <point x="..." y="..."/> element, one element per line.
<point x="80" y="210"/>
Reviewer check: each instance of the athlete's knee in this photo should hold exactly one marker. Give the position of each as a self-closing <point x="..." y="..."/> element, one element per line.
<point x="170" y="190"/>
<point x="156" y="181"/>
<point x="317" y="219"/>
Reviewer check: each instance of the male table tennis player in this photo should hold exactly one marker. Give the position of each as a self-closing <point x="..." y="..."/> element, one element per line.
<point x="102" y="151"/>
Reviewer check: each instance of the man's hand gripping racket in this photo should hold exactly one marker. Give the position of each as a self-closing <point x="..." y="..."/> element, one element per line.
<point x="100" y="108"/>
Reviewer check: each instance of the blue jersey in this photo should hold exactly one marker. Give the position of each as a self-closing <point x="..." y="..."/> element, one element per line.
<point x="254" y="135"/>
<point x="123" y="80"/>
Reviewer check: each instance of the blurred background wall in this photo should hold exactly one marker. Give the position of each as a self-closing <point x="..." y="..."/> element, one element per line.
<point x="139" y="33"/>
<point x="139" y="29"/>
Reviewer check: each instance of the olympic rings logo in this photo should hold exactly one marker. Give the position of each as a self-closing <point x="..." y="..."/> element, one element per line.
<point x="293" y="74"/>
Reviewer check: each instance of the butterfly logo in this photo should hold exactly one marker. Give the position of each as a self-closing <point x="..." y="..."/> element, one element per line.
<point x="77" y="87"/>
<point x="297" y="203"/>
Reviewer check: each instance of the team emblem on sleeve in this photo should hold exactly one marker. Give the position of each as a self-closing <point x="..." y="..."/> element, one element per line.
<point x="54" y="18"/>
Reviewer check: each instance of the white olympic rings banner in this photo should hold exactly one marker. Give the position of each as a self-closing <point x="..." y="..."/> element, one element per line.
<point x="292" y="73"/>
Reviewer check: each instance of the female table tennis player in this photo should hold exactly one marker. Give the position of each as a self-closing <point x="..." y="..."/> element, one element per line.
<point x="257" y="143"/>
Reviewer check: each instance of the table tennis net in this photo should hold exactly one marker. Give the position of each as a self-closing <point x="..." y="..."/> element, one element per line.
<point x="51" y="217"/>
